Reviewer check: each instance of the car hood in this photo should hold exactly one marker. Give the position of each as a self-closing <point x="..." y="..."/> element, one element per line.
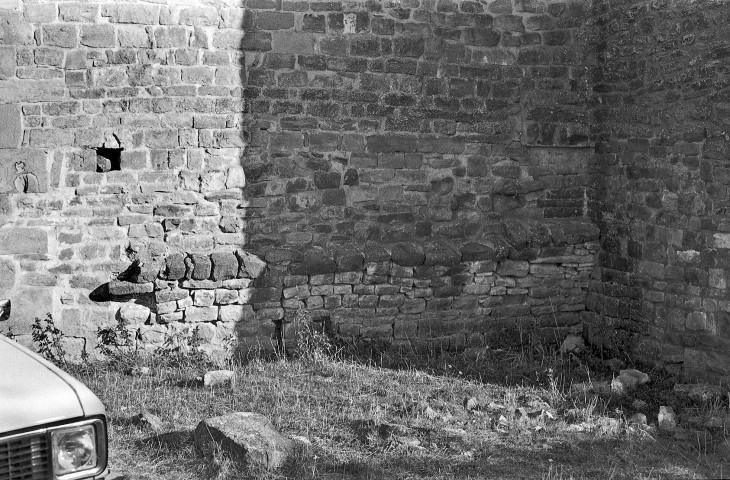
<point x="34" y="392"/>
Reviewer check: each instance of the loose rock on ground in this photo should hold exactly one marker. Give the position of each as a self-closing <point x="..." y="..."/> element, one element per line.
<point x="246" y="437"/>
<point x="218" y="378"/>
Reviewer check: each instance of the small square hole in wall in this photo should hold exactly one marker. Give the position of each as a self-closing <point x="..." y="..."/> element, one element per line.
<point x="108" y="159"/>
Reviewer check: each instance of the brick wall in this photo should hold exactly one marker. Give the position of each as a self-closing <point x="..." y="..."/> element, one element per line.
<point x="660" y="183"/>
<point x="408" y="171"/>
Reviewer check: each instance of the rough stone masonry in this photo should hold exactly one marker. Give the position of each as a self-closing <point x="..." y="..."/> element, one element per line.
<point x="418" y="173"/>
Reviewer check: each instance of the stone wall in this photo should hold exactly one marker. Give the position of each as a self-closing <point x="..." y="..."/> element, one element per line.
<point x="407" y="170"/>
<point x="526" y="287"/>
<point x="123" y="138"/>
<point x="392" y="136"/>
<point x="660" y="183"/>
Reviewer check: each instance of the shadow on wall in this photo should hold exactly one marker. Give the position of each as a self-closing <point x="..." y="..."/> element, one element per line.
<point x="388" y="153"/>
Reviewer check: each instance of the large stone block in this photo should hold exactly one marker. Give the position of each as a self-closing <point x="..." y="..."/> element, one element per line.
<point x="292" y="42"/>
<point x="134" y="314"/>
<point x="51" y="138"/>
<point x="274" y="20"/>
<point x="32" y="90"/>
<point x="236" y="177"/>
<point x="13" y="30"/>
<point x="175" y="266"/>
<point x="408" y="254"/>
<point x="122" y="288"/>
<point x="21" y="240"/>
<point x="722" y="240"/>
<point x="225" y="265"/>
<point x="391" y="143"/>
<point x="131" y="13"/>
<point x="10" y="126"/>
<point x="235" y="313"/>
<point x="39" y="13"/>
<point x="98" y="36"/>
<point x="9" y="4"/>
<point x="199" y="17"/>
<point x="349" y="260"/>
<point x="175" y="37"/>
<point x="442" y="253"/>
<point x="78" y="12"/>
<point x="201" y="266"/>
<point x="134" y="36"/>
<point x="249" y="438"/>
<point x="475" y="251"/>
<point x="60" y="35"/>
<point x="201" y="314"/>
<point x="225" y="296"/>
<point x="512" y="268"/>
<point x="228" y="39"/>
<point x="314" y="262"/>
<point x="7" y="62"/>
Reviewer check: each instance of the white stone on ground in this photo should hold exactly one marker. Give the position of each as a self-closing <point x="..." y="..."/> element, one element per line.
<point x="666" y="419"/>
<point x="217" y="378"/>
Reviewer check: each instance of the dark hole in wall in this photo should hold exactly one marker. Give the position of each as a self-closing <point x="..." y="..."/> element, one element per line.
<point x="108" y="159"/>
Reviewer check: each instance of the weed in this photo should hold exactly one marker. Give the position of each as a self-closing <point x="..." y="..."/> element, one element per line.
<point x="114" y="339"/>
<point x="220" y="466"/>
<point x="118" y="345"/>
<point x="49" y="340"/>
<point x="181" y="349"/>
<point x="313" y="344"/>
<point x="554" y="388"/>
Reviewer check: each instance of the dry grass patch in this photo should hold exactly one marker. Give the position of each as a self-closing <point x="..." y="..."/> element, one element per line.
<point x="503" y="415"/>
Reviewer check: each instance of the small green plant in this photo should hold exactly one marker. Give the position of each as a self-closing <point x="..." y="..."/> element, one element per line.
<point x="117" y="345"/>
<point x="113" y="339"/>
<point x="49" y="340"/>
<point x="181" y="349"/>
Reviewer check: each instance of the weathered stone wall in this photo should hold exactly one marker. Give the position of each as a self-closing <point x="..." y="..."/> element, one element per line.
<point x="78" y="82"/>
<point x="528" y="286"/>
<point x="413" y="169"/>
<point x="393" y="137"/>
<point x="660" y="182"/>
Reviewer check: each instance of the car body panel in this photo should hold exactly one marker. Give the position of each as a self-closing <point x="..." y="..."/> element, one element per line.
<point x="34" y="392"/>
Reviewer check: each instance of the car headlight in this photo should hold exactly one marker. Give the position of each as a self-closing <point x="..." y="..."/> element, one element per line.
<point x="76" y="450"/>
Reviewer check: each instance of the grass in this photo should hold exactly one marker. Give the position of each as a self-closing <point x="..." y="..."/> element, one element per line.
<point x="480" y="414"/>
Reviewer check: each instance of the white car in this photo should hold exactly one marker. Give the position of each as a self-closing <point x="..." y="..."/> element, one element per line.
<point x="51" y="425"/>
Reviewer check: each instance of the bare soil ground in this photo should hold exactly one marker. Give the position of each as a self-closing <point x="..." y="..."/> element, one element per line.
<point x="487" y="414"/>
